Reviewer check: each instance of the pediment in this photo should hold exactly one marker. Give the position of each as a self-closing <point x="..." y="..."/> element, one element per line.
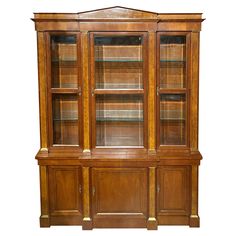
<point x="117" y="12"/>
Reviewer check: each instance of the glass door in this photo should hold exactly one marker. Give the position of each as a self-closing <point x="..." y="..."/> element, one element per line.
<point x="118" y="90"/>
<point x="64" y="90"/>
<point x="172" y="89"/>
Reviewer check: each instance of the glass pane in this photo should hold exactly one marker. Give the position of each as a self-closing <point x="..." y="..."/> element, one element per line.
<point x="173" y="62"/>
<point x="118" y="62"/>
<point x="119" y="120"/>
<point x="173" y="119"/>
<point x="64" y="61"/>
<point x="65" y="119"/>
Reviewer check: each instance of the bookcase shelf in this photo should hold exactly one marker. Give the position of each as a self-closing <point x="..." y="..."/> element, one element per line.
<point x="118" y="120"/>
<point x="65" y="119"/>
<point x="118" y="60"/>
<point x="172" y="61"/>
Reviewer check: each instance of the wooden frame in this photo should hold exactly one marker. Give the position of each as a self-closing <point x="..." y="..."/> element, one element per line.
<point x="73" y="91"/>
<point x="175" y="91"/>
<point x="116" y="91"/>
<point x="70" y="174"/>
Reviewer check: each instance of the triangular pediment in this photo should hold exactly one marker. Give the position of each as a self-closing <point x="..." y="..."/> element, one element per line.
<point x="117" y="12"/>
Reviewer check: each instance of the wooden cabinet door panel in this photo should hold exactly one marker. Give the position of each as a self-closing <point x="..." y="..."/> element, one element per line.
<point x="65" y="188"/>
<point x="173" y="189"/>
<point x="119" y="191"/>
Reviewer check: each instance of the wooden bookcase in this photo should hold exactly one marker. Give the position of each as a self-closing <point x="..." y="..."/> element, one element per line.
<point x="118" y="90"/>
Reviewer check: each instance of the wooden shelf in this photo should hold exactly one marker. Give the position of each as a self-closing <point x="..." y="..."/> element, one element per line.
<point x="64" y="90"/>
<point x="64" y="61"/>
<point x="118" y="120"/>
<point x="118" y="91"/>
<point x="173" y="61"/>
<point x="172" y="90"/>
<point x="62" y="120"/>
<point x="118" y="60"/>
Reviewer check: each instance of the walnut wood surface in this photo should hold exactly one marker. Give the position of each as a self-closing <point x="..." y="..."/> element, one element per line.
<point x="122" y="186"/>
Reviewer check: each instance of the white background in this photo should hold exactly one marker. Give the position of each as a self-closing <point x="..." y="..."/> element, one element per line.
<point x="19" y="116"/>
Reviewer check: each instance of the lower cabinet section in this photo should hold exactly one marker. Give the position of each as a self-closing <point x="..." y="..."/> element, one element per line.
<point x="65" y="195"/>
<point x="173" y="194"/>
<point x="119" y="197"/>
<point x="113" y="197"/>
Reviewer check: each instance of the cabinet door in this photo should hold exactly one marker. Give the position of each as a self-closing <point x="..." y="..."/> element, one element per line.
<point x="173" y="195"/>
<point x="118" y="83"/>
<point x="64" y="89"/>
<point x="119" y="192"/>
<point x="65" y="191"/>
<point x="172" y="87"/>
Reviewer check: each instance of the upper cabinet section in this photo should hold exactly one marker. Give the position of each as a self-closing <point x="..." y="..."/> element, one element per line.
<point x="118" y="78"/>
<point x="130" y="19"/>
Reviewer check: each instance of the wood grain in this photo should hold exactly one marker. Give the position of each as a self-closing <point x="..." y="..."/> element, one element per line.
<point x="44" y="218"/>
<point x="141" y="186"/>
<point x="194" y="84"/>
<point x="152" y="221"/>
<point x="85" y="90"/>
<point x="194" y="218"/>
<point x="42" y="91"/>
<point x="151" y="91"/>
<point x="87" y="221"/>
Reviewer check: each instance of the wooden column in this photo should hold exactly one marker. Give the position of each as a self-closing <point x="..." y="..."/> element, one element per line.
<point x="194" y="220"/>
<point x="44" y="218"/>
<point x="194" y="74"/>
<point x="85" y="89"/>
<point x="151" y="91"/>
<point x="42" y="91"/>
<point x="152" y="221"/>
<point x="194" y="84"/>
<point x="87" y="221"/>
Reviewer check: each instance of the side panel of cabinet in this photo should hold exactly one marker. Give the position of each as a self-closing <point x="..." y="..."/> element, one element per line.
<point x="119" y="197"/>
<point x="65" y="195"/>
<point x="173" y="194"/>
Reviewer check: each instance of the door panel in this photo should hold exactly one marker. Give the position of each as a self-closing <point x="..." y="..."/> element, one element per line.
<point x="173" y="190"/>
<point x="173" y="89"/>
<point x="119" y="191"/>
<point x="65" y="190"/>
<point x="64" y="89"/>
<point x="118" y="83"/>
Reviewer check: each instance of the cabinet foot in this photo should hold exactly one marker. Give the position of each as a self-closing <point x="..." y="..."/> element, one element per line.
<point x="44" y="221"/>
<point x="152" y="224"/>
<point x="194" y="221"/>
<point x="87" y="224"/>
